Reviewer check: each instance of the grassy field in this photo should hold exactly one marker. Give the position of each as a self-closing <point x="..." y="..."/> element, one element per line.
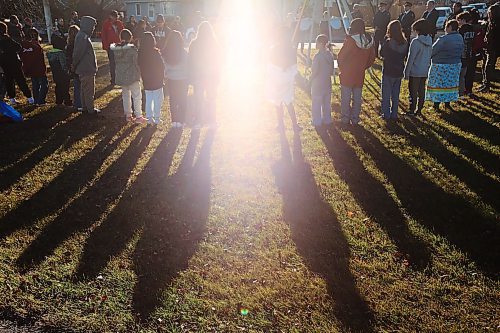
<point x="112" y="227"/>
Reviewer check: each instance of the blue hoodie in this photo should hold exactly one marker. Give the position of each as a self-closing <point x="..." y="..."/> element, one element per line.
<point x="419" y="57"/>
<point x="448" y="49"/>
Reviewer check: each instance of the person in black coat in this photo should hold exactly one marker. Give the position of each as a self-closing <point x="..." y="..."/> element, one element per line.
<point x="431" y="15"/>
<point x="380" y="23"/>
<point x="456" y="9"/>
<point x="407" y="18"/>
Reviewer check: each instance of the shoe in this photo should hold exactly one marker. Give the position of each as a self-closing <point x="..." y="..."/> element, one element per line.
<point x="31" y="100"/>
<point x="140" y="120"/>
<point x="80" y="109"/>
<point x="129" y="119"/>
<point x="13" y="101"/>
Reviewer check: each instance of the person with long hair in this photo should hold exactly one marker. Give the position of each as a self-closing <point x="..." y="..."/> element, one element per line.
<point x="176" y="72"/>
<point x="393" y="51"/>
<point x="444" y="75"/>
<point x="128" y="76"/>
<point x="72" y="32"/>
<point x="417" y="66"/>
<point x="282" y="69"/>
<point x="355" y="57"/>
<point x="152" y="71"/>
<point x="204" y="73"/>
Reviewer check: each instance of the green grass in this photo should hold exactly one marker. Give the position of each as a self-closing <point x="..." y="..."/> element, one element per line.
<point x="112" y="227"/>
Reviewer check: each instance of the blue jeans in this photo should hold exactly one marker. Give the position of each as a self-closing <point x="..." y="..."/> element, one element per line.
<point x="40" y="87"/>
<point x="77" y="98"/>
<point x="391" y="87"/>
<point x="350" y="114"/>
<point x="322" y="109"/>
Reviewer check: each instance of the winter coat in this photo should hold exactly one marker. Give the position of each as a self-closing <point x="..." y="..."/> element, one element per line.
<point x="419" y="57"/>
<point x="407" y="20"/>
<point x="380" y="22"/>
<point x="15" y="32"/>
<point x="178" y="71"/>
<point x="110" y="33"/>
<point x="467" y="32"/>
<point x="9" y="55"/>
<point x="448" y="49"/>
<point x="152" y="69"/>
<point x="126" y="66"/>
<point x="33" y="59"/>
<point x="356" y="55"/>
<point x="161" y="35"/>
<point x="84" y="59"/>
<point x="394" y="55"/>
<point x="432" y="18"/>
<point x="322" y="71"/>
<point x="492" y="37"/>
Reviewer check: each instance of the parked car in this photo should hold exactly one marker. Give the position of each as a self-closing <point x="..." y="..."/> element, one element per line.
<point x="444" y="12"/>
<point x="467" y="8"/>
<point x="481" y="7"/>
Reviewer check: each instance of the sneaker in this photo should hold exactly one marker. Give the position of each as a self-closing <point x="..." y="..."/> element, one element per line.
<point x="140" y="120"/>
<point x="31" y="100"/>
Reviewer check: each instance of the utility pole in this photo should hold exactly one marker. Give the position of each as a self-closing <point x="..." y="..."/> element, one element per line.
<point x="48" y="19"/>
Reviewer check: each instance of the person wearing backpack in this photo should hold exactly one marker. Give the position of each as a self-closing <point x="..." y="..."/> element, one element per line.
<point x="417" y="66"/>
<point x="393" y="51"/>
<point x="128" y="76"/>
<point x="34" y="65"/>
<point x="60" y="70"/>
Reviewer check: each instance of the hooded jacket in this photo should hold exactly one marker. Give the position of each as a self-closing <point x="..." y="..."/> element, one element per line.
<point x="419" y="57"/>
<point x="126" y="66"/>
<point x="9" y="55"/>
<point x="110" y="33"/>
<point x="356" y="55"/>
<point x="152" y="69"/>
<point x="394" y="55"/>
<point x="33" y="60"/>
<point x="84" y="60"/>
<point x="448" y="49"/>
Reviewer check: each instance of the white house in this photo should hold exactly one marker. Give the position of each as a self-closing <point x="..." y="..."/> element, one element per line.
<point x="183" y="8"/>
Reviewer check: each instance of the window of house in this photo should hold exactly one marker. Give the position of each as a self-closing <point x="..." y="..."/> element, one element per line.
<point x="151" y="11"/>
<point x="138" y="9"/>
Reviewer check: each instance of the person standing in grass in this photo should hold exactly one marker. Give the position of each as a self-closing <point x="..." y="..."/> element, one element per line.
<point x="393" y="51"/>
<point x="128" y="76"/>
<point x="60" y="70"/>
<point x="380" y="22"/>
<point x="282" y="69"/>
<point x="204" y="73"/>
<point x="355" y="57"/>
<point x="85" y="63"/>
<point x="468" y="65"/>
<point x="417" y="66"/>
<point x="176" y="72"/>
<point x="110" y="34"/>
<point x="34" y="66"/>
<point x="321" y="83"/>
<point x="70" y="46"/>
<point x="444" y="75"/>
<point x="12" y="66"/>
<point x="152" y="73"/>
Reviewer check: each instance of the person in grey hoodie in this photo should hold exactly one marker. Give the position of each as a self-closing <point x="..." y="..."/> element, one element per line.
<point x="85" y="63"/>
<point x="321" y="83"/>
<point x="417" y="66"/>
<point x="444" y="75"/>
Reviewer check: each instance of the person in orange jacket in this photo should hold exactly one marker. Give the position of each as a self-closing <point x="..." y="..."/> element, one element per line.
<point x="110" y="34"/>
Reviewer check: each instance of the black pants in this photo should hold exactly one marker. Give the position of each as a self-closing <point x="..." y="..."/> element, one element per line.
<point x="416" y="87"/>
<point x="112" y="65"/>
<point x="13" y="76"/>
<point x="61" y="79"/>
<point x="377" y="39"/>
<point x="489" y="68"/>
<point x="469" y="75"/>
<point x="177" y="91"/>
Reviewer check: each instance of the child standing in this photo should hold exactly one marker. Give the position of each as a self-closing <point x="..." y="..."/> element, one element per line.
<point x="12" y="66"/>
<point x="128" y="76"/>
<point x="72" y="32"/>
<point x="60" y="70"/>
<point x="152" y="72"/>
<point x="394" y="50"/>
<point x="356" y="55"/>
<point x="176" y="71"/>
<point x="34" y="65"/>
<point x="468" y="64"/>
<point x="417" y="66"/>
<point x="321" y="83"/>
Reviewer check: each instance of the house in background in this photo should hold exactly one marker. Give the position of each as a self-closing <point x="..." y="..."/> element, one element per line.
<point x="182" y="8"/>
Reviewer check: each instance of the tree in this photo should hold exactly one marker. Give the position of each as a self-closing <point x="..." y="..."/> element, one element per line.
<point x="22" y="8"/>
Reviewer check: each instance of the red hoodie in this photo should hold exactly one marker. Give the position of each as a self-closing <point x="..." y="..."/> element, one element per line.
<point x="111" y="33"/>
<point x="356" y="55"/>
<point x="33" y="60"/>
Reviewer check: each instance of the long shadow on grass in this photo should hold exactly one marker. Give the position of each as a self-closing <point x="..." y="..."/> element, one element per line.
<point x="88" y="207"/>
<point x="446" y="214"/>
<point x="168" y="212"/>
<point x="318" y="235"/>
<point x="483" y="185"/>
<point x="374" y="199"/>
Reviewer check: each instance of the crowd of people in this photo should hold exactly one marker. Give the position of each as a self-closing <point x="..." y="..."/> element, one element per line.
<point x="440" y="71"/>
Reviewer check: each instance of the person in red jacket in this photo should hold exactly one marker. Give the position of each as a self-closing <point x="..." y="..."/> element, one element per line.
<point x="34" y="65"/>
<point x="356" y="55"/>
<point x="110" y="34"/>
